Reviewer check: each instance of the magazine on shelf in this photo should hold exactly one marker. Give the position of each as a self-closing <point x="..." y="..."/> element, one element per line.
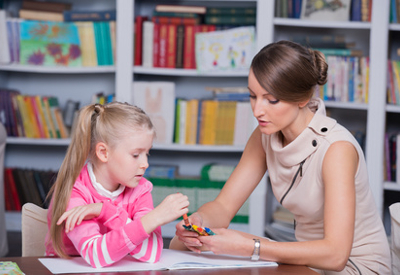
<point x="225" y="50"/>
<point x="328" y="10"/>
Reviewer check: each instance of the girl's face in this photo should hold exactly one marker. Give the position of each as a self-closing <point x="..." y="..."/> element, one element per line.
<point x="272" y="115"/>
<point x="128" y="161"/>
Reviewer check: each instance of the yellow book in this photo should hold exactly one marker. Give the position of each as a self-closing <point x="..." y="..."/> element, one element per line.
<point x="52" y="118"/>
<point x="191" y="121"/>
<point x="25" y="117"/>
<point x="209" y="122"/>
<point x="31" y="116"/>
<point x="230" y="122"/>
<point x="88" y="46"/>
<point x="47" y="117"/>
<point x="40" y="111"/>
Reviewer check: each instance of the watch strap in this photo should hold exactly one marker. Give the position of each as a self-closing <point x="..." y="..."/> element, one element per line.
<point x="256" y="251"/>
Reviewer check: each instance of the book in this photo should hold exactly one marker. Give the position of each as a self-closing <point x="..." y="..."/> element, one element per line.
<point x="171" y="46"/>
<point x="329" y="10"/>
<point x="340" y="52"/>
<point x="156" y="45"/>
<point x="5" y="56"/>
<point x="170" y="260"/>
<point x="162" y="45"/>
<point x="138" y="38"/>
<point x="49" y="43"/>
<point x="237" y="20"/>
<point x="192" y="110"/>
<point x="180" y="39"/>
<point x="157" y="99"/>
<point x="225" y="50"/>
<point x="41" y="15"/>
<point x="147" y="46"/>
<point x="87" y="43"/>
<point x="181" y="8"/>
<point x="93" y="16"/>
<point x="45" y="6"/>
<point x="189" y="58"/>
<point x="355" y="10"/>
<point x="231" y="11"/>
<point x="175" y="20"/>
<point x="9" y="181"/>
<point x="175" y="14"/>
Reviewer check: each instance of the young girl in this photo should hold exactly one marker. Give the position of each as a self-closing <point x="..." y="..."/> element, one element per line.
<point x="316" y="168"/>
<point x="101" y="206"/>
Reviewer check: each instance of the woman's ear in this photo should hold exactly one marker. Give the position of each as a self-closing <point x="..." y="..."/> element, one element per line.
<point x="303" y="103"/>
<point x="102" y="151"/>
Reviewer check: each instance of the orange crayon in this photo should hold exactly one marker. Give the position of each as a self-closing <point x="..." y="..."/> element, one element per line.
<point x="186" y="220"/>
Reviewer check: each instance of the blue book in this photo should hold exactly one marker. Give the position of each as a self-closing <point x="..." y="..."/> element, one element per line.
<point x="356" y="10"/>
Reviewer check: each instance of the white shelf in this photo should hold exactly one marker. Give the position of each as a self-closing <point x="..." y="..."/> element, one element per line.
<point x="392" y="108"/>
<point x="392" y="186"/>
<point x="38" y="141"/>
<point x="321" y="24"/>
<point x="187" y="72"/>
<point x="346" y="105"/>
<point x="394" y="27"/>
<point x="57" y="69"/>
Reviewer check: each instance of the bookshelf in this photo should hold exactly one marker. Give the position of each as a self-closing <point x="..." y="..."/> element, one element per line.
<point x="81" y="83"/>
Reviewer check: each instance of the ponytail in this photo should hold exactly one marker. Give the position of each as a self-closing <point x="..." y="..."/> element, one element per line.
<point x="76" y="156"/>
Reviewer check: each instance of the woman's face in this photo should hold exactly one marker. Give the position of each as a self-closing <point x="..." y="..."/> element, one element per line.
<point x="273" y="115"/>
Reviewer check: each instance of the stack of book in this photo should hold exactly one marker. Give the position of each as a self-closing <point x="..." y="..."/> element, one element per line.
<point x="43" y="11"/>
<point x="393" y="91"/>
<point x="329" y="10"/>
<point x="167" y="39"/>
<point x="226" y="119"/>
<point x="392" y="156"/>
<point x="89" y="42"/>
<point x="26" y="185"/>
<point x="31" y="116"/>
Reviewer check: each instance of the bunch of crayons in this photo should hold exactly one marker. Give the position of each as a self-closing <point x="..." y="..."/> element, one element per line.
<point x="203" y="231"/>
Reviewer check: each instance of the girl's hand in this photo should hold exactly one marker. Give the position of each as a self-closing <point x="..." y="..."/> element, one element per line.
<point x="229" y="242"/>
<point x="77" y="214"/>
<point x="171" y="208"/>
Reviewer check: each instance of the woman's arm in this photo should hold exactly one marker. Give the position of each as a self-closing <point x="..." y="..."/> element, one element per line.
<point x="219" y="212"/>
<point x="338" y="173"/>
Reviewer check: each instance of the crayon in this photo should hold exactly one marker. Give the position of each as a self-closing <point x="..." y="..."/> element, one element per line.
<point x="186" y="220"/>
<point x="209" y="231"/>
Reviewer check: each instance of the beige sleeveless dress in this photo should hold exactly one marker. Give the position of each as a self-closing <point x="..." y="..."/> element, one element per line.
<point x="300" y="164"/>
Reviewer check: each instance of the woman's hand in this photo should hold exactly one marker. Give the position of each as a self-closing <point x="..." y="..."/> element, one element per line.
<point x="76" y="215"/>
<point x="229" y="242"/>
<point x="188" y="238"/>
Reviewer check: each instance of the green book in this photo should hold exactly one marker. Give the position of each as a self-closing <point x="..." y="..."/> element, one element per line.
<point x="230" y="20"/>
<point x="231" y="11"/>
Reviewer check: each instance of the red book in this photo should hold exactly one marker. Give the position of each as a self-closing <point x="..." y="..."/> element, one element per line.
<point x="138" y="39"/>
<point x="9" y="180"/>
<point x="189" y="48"/>
<point x="163" y="40"/>
<point x="156" y="45"/>
<point x="175" y="20"/>
<point x="171" y="46"/>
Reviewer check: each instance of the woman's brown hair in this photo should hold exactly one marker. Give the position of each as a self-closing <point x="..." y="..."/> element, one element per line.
<point x="289" y="71"/>
<point x="106" y="123"/>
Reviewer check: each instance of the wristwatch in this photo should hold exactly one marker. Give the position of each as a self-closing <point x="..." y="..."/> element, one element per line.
<point x="256" y="251"/>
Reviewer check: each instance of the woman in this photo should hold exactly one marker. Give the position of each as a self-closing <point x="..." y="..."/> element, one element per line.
<point x="317" y="171"/>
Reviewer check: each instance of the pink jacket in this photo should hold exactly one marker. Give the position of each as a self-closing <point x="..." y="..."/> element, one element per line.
<point x="118" y="230"/>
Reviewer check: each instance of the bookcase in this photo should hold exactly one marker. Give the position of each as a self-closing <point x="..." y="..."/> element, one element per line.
<point x="372" y="37"/>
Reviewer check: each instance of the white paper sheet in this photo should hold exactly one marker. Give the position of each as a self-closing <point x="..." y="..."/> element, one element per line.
<point x="170" y="259"/>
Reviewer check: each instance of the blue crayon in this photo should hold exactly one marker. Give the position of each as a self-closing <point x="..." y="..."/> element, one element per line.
<point x="209" y="231"/>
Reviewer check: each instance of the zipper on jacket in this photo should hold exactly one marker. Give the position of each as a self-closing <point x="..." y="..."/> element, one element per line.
<point x="300" y="170"/>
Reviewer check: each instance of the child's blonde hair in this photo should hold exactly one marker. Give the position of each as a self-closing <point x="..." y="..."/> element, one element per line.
<point x="107" y="123"/>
